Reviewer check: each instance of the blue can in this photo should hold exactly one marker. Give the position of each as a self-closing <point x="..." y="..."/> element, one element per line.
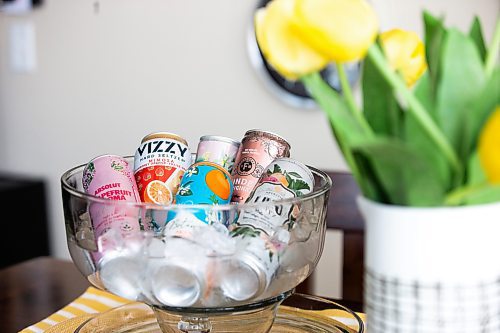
<point x="205" y="183"/>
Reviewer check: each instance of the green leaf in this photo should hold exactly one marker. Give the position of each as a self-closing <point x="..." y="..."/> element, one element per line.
<point x="460" y="82"/>
<point x="421" y="142"/>
<point x="379" y="105"/>
<point x="277" y="169"/>
<point x="345" y="127"/>
<point x="294" y="174"/>
<point x="423" y="92"/>
<point x="299" y="185"/>
<point x="488" y="194"/>
<point x="476" y="34"/>
<point x="475" y="172"/>
<point x="477" y="112"/>
<point x="411" y="185"/>
<point x="434" y="35"/>
<point x="474" y="195"/>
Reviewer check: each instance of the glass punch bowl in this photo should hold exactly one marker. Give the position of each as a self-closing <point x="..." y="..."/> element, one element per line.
<point x="203" y="279"/>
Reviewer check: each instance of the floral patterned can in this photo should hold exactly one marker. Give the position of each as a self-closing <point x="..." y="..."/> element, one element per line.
<point x="263" y="232"/>
<point x="159" y="164"/>
<point x="218" y="149"/>
<point x="205" y="183"/>
<point x="258" y="149"/>
<point x="284" y="178"/>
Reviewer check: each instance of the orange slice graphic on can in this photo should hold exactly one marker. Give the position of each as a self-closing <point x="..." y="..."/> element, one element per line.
<point x="218" y="183"/>
<point x="157" y="192"/>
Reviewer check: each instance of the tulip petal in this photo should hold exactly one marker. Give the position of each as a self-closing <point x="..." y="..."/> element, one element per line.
<point x="282" y="47"/>
<point x="489" y="147"/>
<point x="343" y="30"/>
<point x="405" y="53"/>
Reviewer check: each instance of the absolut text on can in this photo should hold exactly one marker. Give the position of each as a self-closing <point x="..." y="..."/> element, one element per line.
<point x="218" y="149"/>
<point x="258" y="149"/>
<point x="110" y="177"/>
<point x="159" y="164"/>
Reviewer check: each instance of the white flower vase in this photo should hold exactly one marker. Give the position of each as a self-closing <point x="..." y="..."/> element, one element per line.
<point x="431" y="270"/>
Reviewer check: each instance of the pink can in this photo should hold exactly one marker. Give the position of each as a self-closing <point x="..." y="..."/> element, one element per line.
<point x="217" y="149"/>
<point x="258" y="149"/>
<point x="111" y="177"/>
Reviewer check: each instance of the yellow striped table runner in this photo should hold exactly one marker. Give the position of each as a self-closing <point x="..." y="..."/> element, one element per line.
<point x="94" y="301"/>
<point x="91" y="302"/>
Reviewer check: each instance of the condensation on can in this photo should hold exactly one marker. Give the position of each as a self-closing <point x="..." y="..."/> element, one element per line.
<point x="110" y="177"/>
<point x="218" y="149"/>
<point x="258" y="149"/>
<point x="159" y="164"/>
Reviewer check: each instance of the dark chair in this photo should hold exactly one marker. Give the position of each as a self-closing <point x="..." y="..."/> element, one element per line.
<point x="24" y="219"/>
<point x="344" y="215"/>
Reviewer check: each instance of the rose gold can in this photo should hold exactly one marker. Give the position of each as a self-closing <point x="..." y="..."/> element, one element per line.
<point x="159" y="164"/>
<point x="258" y="149"/>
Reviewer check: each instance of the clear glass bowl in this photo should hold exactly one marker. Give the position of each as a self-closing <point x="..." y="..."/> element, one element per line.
<point x="197" y="281"/>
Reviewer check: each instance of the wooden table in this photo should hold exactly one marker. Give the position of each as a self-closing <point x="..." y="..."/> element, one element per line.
<point x="34" y="289"/>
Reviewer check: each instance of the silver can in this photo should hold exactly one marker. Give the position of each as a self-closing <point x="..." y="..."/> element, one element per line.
<point x="179" y="279"/>
<point x="218" y="149"/>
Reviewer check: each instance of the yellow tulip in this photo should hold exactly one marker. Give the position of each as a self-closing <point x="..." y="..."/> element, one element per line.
<point x="405" y="52"/>
<point x="281" y="46"/>
<point x="489" y="147"/>
<point x="343" y="30"/>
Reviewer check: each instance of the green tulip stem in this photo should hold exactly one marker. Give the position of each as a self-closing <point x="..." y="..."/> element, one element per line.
<point x="320" y="92"/>
<point x="460" y="195"/>
<point x="491" y="56"/>
<point x="418" y="110"/>
<point x="349" y="97"/>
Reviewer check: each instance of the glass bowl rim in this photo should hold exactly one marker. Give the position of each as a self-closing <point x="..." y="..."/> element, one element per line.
<point x="225" y="309"/>
<point x="324" y="188"/>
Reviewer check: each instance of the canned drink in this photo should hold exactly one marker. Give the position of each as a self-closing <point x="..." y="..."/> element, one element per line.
<point x="217" y="149"/>
<point x="205" y="183"/>
<point x="284" y="178"/>
<point x="120" y="272"/>
<point x="159" y="164"/>
<point x="248" y="273"/>
<point x="258" y="149"/>
<point x="180" y="278"/>
<point x="183" y="224"/>
<point x="263" y="231"/>
<point x="110" y="177"/>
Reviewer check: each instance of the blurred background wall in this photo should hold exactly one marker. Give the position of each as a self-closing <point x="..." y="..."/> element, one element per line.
<point x="99" y="75"/>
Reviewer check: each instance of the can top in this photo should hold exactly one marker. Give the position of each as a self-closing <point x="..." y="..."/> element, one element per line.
<point x="269" y="135"/>
<point x="220" y="138"/>
<point x="164" y="135"/>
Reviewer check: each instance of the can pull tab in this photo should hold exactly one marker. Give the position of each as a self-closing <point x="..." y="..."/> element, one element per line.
<point x="194" y="325"/>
